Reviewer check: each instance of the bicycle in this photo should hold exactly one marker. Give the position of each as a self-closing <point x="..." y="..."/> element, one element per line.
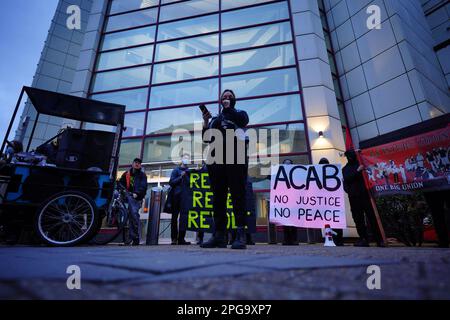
<point x="116" y="221"/>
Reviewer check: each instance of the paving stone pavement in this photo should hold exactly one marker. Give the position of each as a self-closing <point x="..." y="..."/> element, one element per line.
<point x="189" y="272"/>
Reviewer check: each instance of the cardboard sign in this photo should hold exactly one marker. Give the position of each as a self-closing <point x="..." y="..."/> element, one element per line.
<point x="420" y="162"/>
<point x="197" y="211"/>
<point x="307" y="196"/>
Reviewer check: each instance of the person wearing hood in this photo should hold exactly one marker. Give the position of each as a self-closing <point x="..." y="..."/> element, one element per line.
<point x="135" y="182"/>
<point x="360" y="201"/>
<point x="176" y="178"/>
<point x="224" y="175"/>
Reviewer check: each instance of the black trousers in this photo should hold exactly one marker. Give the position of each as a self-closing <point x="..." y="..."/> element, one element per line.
<point x="361" y="208"/>
<point x="436" y="201"/>
<point x="175" y="234"/>
<point x="223" y="177"/>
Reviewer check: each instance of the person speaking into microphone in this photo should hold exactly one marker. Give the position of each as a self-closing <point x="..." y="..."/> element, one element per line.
<point x="227" y="170"/>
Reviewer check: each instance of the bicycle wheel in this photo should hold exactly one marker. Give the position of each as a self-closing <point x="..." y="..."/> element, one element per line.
<point x="66" y="219"/>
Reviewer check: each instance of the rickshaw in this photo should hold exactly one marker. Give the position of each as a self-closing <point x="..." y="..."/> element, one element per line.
<point x="62" y="188"/>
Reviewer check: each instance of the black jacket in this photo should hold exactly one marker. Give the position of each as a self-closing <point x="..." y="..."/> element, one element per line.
<point x="229" y="118"/>
<point x="175" y="180"/>
<point x="353" y="180"/>
<point x="140" y="183"/>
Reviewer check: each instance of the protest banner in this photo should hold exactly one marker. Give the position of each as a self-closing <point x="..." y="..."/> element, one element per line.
<point x="197" y="209"/>
<point x="307" y="196"/>
<point x="418" y="163"/>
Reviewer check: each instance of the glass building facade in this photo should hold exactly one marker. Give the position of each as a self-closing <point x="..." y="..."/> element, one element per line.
<point x="163" y="59"/>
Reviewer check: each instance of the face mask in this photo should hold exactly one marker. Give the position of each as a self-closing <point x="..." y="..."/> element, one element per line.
<point x="185" y="161"/>
<point x="226" y="103"/>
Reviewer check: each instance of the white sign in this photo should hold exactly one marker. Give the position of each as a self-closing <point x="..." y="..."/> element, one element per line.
<point x="307" y="196"/>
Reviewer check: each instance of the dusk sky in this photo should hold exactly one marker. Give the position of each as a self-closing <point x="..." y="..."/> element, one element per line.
<point x="23" y="29"/>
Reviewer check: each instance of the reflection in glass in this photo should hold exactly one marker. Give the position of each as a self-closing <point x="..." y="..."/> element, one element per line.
<point x="184" y="93"/>
<point x="132" y="19"/>
<point x="228" y="4"/>
<point x="128" y="38"/>
<point x="250" y="16"/>
<point x="158" y="149"/>
<point x="189" y="27"/>
<point x="273" y="109"/>
<point x="167" y="120"/>
<point x="129" y="150"/>
<point x="134" y="124"/>
<point x="263" y="58"/>
<point x="258" y="36"/>
<point x="125" y="58"/>
<point x="262" y="83"/>
<point x="186" y="69"/>
<point x="132" y="99"/>
<point x="292" y="139"/>
<point x="128" y="5"/>
<point x="125" y="78"/>
<point x="188" y="9"/>
<point x="187" y="48"/>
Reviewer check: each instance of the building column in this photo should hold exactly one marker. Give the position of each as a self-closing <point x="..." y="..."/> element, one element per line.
<point x="321" y="110"/>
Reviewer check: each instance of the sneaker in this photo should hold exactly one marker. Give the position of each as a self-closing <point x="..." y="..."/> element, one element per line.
<point x="240" y="241"/>
<point x="183" y="242"/>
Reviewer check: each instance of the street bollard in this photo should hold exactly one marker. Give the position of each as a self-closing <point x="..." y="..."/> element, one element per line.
<point x="154" y="213"/>
<point x="271" y="228"/>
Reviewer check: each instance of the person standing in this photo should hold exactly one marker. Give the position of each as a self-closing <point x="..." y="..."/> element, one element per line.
<point x="135" y="182"/>
<point x="360" y="201"/>
<point x="437" y="200"/>
<point x="224" y="175"/>
<point x="176" y="178"/>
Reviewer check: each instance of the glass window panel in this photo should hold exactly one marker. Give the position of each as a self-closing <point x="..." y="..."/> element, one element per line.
<point x="129" y="38"/>
<point x="256" y="59"/>
<point x="186" y="69"/>
<point x="125" y="78"/>
<point x="229" y="4"/>
<point x="132" y="99"/>
<point x="128" y="5"/>
<point x="184" y="93"/>
<point x="167" y="120"/>
<point x="262" y="83"/>
<point x="168" y="1"/>
<point x="159" y="148"/>
<point x="258" y="36"/>
<point x="132" y="19"/>
<point x="262" y="182"/>
<point x="134" y="124"/>
<point x="125" y="58"/>
<point x="187" y="47"/>
<point x="292" y="139"/>
<point x="129" y="150"/>
<point x="273" y="109"/>
<point x="188" y="9"/>
<point x="189" y="27"/>
<point x="262" y="14"/>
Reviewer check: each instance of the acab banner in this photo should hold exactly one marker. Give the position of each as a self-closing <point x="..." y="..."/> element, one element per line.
<point x="310" y="196"/>
<point x="197" y="210"/>
<point x="418" y="163"/>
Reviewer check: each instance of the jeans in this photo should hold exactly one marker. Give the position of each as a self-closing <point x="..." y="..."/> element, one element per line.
<point x="134" y="218"/>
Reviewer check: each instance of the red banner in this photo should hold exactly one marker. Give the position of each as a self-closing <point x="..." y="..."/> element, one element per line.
<point x="418" y="163"/>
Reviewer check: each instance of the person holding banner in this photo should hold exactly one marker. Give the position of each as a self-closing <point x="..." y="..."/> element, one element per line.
<point x="175" y="182"/>
<point x="226" y="173"/>
<point x="359" y="201"/>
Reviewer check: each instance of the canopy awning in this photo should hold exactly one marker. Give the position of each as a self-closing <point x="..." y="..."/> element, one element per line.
<point x="76" y="108"/>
